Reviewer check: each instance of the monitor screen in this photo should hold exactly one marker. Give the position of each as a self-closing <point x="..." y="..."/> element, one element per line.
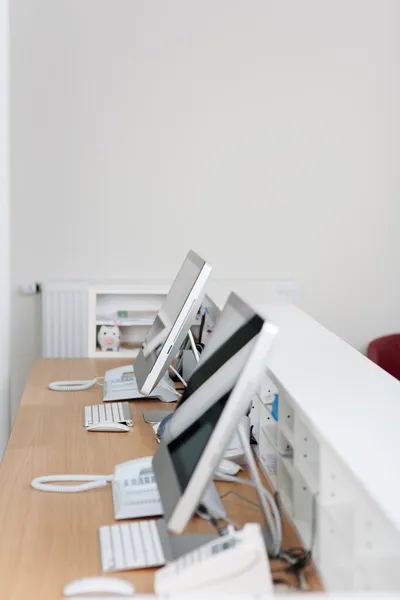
<point x="172" y="323"/>
<point x="218" y="395"/>
<point x="234" y="316"/>
<point x="186" y="449"/>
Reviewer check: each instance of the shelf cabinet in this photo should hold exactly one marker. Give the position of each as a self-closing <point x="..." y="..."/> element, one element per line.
<point x="355" y="547"/>
<point x="139" y="302"/>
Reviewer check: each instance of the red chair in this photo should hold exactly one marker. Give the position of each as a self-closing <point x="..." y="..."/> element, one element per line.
<point x="385" y="352"/>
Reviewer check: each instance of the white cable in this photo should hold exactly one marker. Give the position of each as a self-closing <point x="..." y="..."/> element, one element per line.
<point x="74" y="386"/>
<point x="193" y="346"/>
<point x="277" y="530"/>
<point x="178" y="376"/>
<point x="92" y="481"/>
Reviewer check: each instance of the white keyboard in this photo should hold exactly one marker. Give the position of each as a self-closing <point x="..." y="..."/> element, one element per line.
<point x="118" y="412"/>
<point x="130" y="546"/>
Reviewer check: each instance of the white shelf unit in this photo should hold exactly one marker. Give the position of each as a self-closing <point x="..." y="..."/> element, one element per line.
<point x="334" y="452"/>
<point x="355" y="547"/>
<point x="69" y="317"/>
<point x="143" y="301"/>
<point x="289" y="457"/>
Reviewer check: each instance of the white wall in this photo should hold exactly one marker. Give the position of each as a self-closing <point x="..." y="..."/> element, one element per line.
<point x="274" y="122"/>
<point x="4" y="225"/>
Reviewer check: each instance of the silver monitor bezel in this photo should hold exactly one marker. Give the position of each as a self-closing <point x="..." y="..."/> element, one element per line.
<point x="179" y="506"/>
<point x="147" y="378"/>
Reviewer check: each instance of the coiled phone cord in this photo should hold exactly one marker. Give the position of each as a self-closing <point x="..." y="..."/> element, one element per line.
<point x="91" y="481"/>
<point x="74" y="386"/>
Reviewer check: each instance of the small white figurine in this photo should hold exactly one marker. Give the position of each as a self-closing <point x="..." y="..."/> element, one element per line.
<point x="109" y="338"/>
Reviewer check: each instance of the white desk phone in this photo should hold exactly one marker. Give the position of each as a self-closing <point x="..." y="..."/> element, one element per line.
<point x="236" y="562"/>
<point x="120" y="384"/>
<point x="135" y="491"/>
<point x="134" y="487"/>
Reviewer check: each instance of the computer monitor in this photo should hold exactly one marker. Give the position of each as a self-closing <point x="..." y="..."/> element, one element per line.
<point x="218" y="395"/>
<point x="172" y="323"/>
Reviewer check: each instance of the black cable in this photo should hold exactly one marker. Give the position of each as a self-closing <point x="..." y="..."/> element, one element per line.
<point x="241" y="497"/>
<point x="278" y="503"/>
<point x="202" y="323"/>
<point x="204" y="514"/>
<point x="279" y="581"/>
<point x="253" y="440"/>
<point x="297" y="558"/>
<point x="214" y="523"/>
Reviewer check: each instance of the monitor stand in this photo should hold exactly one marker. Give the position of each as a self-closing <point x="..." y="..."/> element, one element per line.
<point x="153" y="416"/>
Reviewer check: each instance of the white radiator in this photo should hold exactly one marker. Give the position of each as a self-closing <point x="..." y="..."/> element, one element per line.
<point x="65" y="319"/>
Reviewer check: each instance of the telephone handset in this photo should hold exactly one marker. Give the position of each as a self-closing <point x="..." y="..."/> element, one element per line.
<point x="233" y="563"/>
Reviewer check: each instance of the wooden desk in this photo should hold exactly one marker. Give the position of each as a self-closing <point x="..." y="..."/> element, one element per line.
<point x="49" y="539"/>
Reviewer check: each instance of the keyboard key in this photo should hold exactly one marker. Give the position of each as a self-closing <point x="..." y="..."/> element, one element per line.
<point x="116" y="542"/>
<point x="134" y="530"/>
<point x="115" y="411"/>
<point x="96" y="416"/>
<point x="102" y="413"/>
<point x="107" y="555"/>
<point x="109" y="415"/>
<point x="147" y="536"/>
<point x="130" y="557"/>
<point x="88" y="415"/>
<point x="126" y="412"/>
<point x="155" y="538"/>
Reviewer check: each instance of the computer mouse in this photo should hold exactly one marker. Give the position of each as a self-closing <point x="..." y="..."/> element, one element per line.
<point x="116" y="427"/>
<point x="229" y="467"/>
<point x="100" y="586"/>
<point x="163" y="425"/>
<point x="226" y="467"/>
